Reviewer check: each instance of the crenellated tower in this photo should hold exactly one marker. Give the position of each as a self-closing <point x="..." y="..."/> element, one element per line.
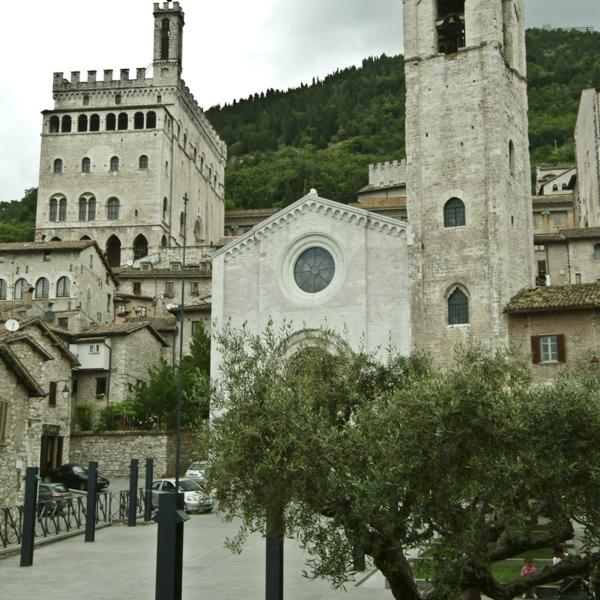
<point x="468" y="168"/>
<point x="168" y="42"/>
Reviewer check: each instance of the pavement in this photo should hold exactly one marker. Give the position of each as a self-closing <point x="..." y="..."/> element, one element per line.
<point x="121" y="564"/>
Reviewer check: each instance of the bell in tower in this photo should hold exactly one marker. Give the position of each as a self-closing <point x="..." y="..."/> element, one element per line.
<point x="450" y="25"/>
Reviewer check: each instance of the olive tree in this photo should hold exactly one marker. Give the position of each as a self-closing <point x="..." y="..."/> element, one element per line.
<point x="392" y="455"/>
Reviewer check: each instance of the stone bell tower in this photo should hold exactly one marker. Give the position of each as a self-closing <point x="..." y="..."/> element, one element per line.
<point x="168" y="42"/>
<point x="468" y="178"/>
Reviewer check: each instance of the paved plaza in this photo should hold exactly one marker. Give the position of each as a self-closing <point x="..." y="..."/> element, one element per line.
<point x="122" y="562"/>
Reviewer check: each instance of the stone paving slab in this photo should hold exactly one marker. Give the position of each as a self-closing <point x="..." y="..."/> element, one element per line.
<point x="122" y="563"/>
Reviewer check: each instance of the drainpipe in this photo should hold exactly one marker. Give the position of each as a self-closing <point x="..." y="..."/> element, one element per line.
<point x="569" y="260"/>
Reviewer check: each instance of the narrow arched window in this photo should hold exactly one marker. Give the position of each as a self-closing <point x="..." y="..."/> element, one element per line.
<point x="62" y="209"/>
<point x="151" y="120"/>
<point x="91" y="209"/>
<point x="165" y="208"/>
<point x="53" y="216"/>
<point x="164" y="39"/>
<point x="458" y="308"/>
<point x="140" y="247"/>
<point x="19" y="285"/>
<point x="112" y="209"/>
<point x="82" y="209"/>
<point x="597" y="251"/>
<point x="3" y="289"/>
<point x="185" y="142"/>
<point x="95" y="123"/>
<point x="58" y="165"/>
<point x="114" y="163"/>
<point x="202" y="164"/>
<point x="82" y="123"/>
<point x="63" y="287"/>
<point x="111" y="122"/>
<point x="138" y="120"/>
<point x="42" y="288"/>
<point x="454" y="213"/>
<point x="54" y="124"/>
<point x="198" y="235"/>
<point x="86" y="165"/>
<point x="143" y="161"/>
<point x="163" y="242"/>
<point x="66" y="124"/>
<point x="511" y="157"/>
<point x="123" y="121"/>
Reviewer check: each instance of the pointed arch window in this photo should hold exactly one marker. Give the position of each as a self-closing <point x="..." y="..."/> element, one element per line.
<point x="111" y="122"/>
<point x="95" y="123"/>
<point x="140" y="247"/>
<point x="3" y="289"/>
<point x="165" y="210"/>
<point x="86" y="165"/>
<point x="114" y="163"/>
<point x="63" y="287"/>
<point x="58" y="165"/>
<point x="454" y="213"/>
<point x="82" y="123"/>
<point x="112" y="209"/>
<point x="151" y="120"/>
<point x="42" y="288"/>
<point x="19" y="285"/>
<point x="458" y="308"/>
<point x="143" y="162"/>
<point x="123" y="121"/>
<point x="138" y="120"/>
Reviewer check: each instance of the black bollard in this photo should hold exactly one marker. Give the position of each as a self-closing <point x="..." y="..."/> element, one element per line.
<point x="148" y="493"/>
<point x="90" y="512"/>
<point x="31" y="492"/>
<point x="274" y="570"/>
<point x="133" y="499"/>
<point x="169" y="555"/>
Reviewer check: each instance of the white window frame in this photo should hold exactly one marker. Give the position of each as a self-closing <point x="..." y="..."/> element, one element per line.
<point x="94" y="349"/>
<point x="548" y="349"/>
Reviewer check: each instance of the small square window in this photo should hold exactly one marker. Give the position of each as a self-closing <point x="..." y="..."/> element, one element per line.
<point x="94" y="348"/>
<point x="46" y="257"/>
<point x="194" y="288"/>
<point x="142" y="311"/>
<point x="63" y="322"/>
<point x="549" y="348"/>
<point x="101" y="386"/>
<point x="137" y="288"/>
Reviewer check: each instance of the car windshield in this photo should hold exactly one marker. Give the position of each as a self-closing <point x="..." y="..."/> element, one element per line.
<point x="185" y="485"/>
<point x="79" y="470"/>
<point x="197" y="466"/>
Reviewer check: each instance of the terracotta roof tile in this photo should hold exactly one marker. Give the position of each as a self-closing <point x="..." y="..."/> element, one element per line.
<point x="557" y="297"/>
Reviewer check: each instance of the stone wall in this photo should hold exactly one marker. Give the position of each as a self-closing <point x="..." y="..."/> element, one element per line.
<point x="114" y="450"/>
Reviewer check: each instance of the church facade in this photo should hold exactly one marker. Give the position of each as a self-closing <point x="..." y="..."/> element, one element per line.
<point x="118" y="155"/>
<point x="466" y="252"/>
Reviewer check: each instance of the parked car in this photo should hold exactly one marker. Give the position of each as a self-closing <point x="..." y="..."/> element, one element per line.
<point x="53" y="498"/>
<point x="74" y="477"/>
<point x="196" y="470"/>
<point x="195" y="498"/>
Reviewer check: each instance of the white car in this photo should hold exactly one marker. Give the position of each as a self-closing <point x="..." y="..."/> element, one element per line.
<point x="196" y="470"/>
<point x="195" y="498"/>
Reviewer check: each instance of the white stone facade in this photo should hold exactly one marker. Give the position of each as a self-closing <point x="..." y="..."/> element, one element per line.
<point x="467" y="139"/>
<point x="587" y="142"/>
<point x="366" y="302"/>
<point x="131" y="148"/>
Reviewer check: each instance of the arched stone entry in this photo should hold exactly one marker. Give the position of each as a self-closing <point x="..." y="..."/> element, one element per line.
<point x="113" y="251"/>
<point x="140" y="247"/>
<point x="85" y="238"/>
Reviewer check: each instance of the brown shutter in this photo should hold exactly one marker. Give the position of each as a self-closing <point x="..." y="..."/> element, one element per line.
<point x="535" y="350"/>
<point x="52" y="396"/>
<point x="561" y="348"/>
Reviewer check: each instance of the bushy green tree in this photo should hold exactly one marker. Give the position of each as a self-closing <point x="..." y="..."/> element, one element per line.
<point x="389" y="455"/>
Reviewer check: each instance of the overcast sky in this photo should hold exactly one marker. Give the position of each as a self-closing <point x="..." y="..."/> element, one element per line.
<point x="232" y="48"/>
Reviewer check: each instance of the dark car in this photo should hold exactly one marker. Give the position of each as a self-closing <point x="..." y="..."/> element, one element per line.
<point x="74" y="477"/>
<point x="53" y="498"/>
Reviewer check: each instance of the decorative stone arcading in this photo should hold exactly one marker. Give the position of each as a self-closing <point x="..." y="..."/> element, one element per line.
<point x="318" y="205"/>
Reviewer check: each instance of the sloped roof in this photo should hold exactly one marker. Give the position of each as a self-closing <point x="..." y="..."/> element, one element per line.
<point x="309" y="202"/>
<point x="24" y="377"/>
<point x="115" y="330"/>
<point x="564" y="235"/>
<point x="556" y="298"/>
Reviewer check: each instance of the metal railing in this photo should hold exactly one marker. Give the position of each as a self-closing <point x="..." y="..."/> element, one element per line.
<point x="57" y="517"/>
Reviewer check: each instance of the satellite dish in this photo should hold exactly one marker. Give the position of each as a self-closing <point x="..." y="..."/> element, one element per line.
<point x="49" y="316"/>
<point x="12" y="325"/>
